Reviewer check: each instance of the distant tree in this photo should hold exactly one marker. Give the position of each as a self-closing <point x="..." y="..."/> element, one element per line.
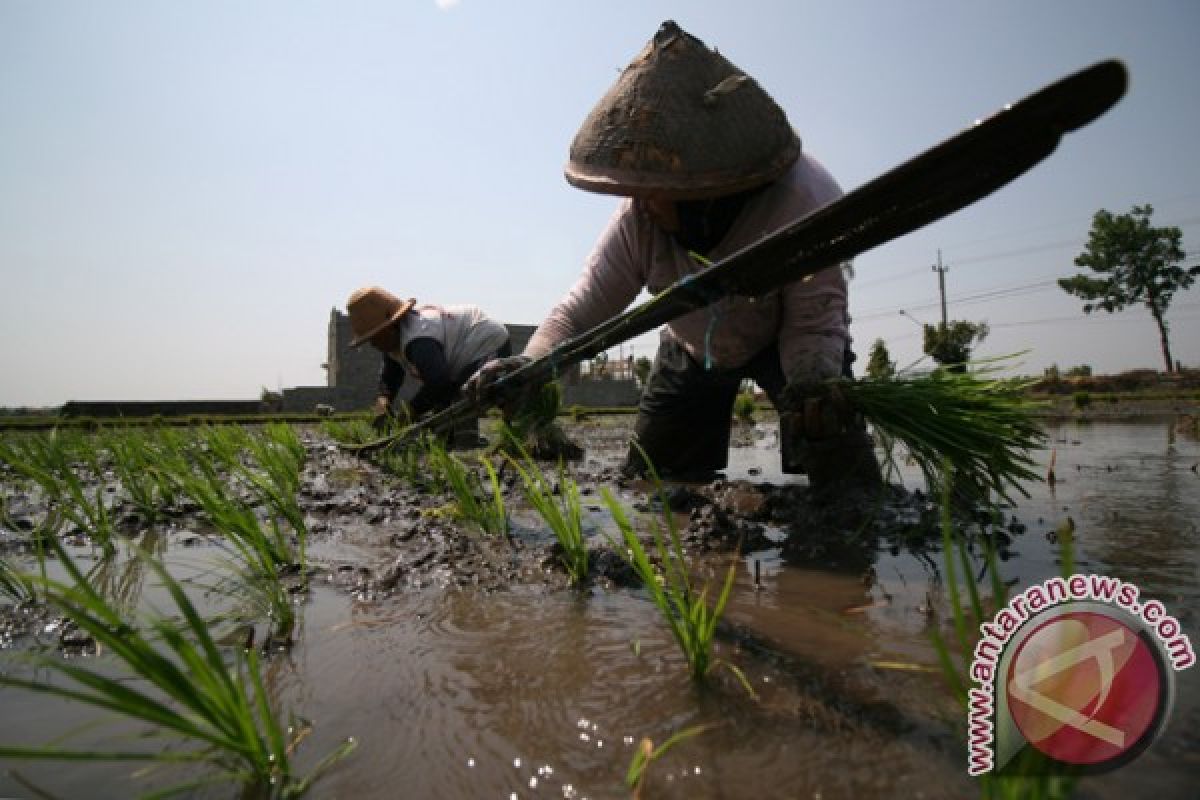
<point x="950" y="345"/>
<point x="1081" y="371"/>
<point x="879" y="363"/>
<point x="1135" y="263"/>
<point x="271" y="401"/>
<point x="641" y="369"/>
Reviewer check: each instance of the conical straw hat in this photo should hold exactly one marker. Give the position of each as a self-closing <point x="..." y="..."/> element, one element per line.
<point x="683" y="121"/>
<point x="372" y="309"/>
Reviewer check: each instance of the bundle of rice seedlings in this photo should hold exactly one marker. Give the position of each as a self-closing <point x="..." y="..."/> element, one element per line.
<point x="531" y="426"/>
<point x="980" y="426"/>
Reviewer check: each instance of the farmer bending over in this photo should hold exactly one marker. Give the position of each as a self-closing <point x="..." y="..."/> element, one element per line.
<point x="709" y="164"/>
<point x="428" y="351"/>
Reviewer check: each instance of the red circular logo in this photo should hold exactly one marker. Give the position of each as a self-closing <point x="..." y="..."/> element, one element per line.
<point x="1086" y="689"/>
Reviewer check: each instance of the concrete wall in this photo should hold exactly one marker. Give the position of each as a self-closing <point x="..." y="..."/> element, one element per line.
<point x="605" y="394"/>
<point x="150" y="408"/>
<point x="353" y="372"/>
<point x="307" y="398"/>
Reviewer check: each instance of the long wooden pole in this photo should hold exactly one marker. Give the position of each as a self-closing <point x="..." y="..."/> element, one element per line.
<point x="959" y="171"/>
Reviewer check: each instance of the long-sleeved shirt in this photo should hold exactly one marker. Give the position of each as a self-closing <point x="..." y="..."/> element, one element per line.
<point x="807" y="317"/>
<point x="435" y="351"/>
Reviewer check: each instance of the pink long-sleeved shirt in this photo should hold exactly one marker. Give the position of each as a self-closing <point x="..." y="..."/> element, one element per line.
<point x="807" y="317"/>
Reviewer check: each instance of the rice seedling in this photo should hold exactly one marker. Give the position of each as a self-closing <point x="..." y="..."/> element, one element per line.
<point x="173" y="454"/>
<point x="225" y="443"/>
<point x="1026" y="778"/>
<point x="48" y="461"/>
<point x="564" y="515"/>
<point x="15" y="585"/>
<point x="284" y="436"/>
<point x="349" y="431"/>
<point x="133" y="463"/>
<point x="476" y="503"/>
<point x="403" y="462"/>
<point x="279" y="457"/>
<point x="262" y="553"/>
<point x="210" y="713"/>
<point x="684" y="607"/>
<point x="646" y="754"/>
<point x="981" y="427"/>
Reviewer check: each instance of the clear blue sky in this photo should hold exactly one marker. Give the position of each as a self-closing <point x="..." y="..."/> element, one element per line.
<point x="188" y="188"/>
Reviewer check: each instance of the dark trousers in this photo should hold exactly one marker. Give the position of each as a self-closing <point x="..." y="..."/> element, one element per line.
<point x="686" y="411"/>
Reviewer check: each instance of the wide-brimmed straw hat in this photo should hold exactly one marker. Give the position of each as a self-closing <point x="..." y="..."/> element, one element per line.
<point x="372" y="309"/>
<point x="684" y="122"/>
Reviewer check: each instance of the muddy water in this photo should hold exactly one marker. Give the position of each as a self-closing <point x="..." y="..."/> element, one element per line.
<point x="536" y="691"/>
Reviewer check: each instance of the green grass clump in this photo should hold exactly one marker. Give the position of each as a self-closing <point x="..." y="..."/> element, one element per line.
<point x="564" y="515"/>
<point x="177" y="681"/>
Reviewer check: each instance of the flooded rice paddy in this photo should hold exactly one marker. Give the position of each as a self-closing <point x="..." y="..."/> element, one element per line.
<point x="465" y="668"/>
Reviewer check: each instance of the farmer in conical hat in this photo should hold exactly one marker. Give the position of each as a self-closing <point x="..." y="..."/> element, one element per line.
<point x="428" y="351"/>
<point x="707" y="164"/>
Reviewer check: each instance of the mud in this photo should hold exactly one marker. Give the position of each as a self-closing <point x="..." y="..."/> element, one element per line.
<point x="471" y="662"/>
<point x="373" y="533"/>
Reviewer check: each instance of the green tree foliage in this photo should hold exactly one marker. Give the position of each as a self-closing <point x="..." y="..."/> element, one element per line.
<point x="879" y="363"/>
<point x="1133" y="263"/>
<point x="641" y="369"/>
<point x="950" y="344"/>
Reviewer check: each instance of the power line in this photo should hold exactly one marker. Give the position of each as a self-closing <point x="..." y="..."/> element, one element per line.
<point x="994" y="293"/>
<point x="1023" y="251"/>
<point x="1106" y="319"/>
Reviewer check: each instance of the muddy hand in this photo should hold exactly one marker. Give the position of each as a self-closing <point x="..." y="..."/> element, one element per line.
<point x="487" y="384"/>
<point x="816" y="411"/>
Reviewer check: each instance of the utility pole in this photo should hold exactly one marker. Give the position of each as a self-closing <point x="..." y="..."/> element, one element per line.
<point x="941" y="271"/>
